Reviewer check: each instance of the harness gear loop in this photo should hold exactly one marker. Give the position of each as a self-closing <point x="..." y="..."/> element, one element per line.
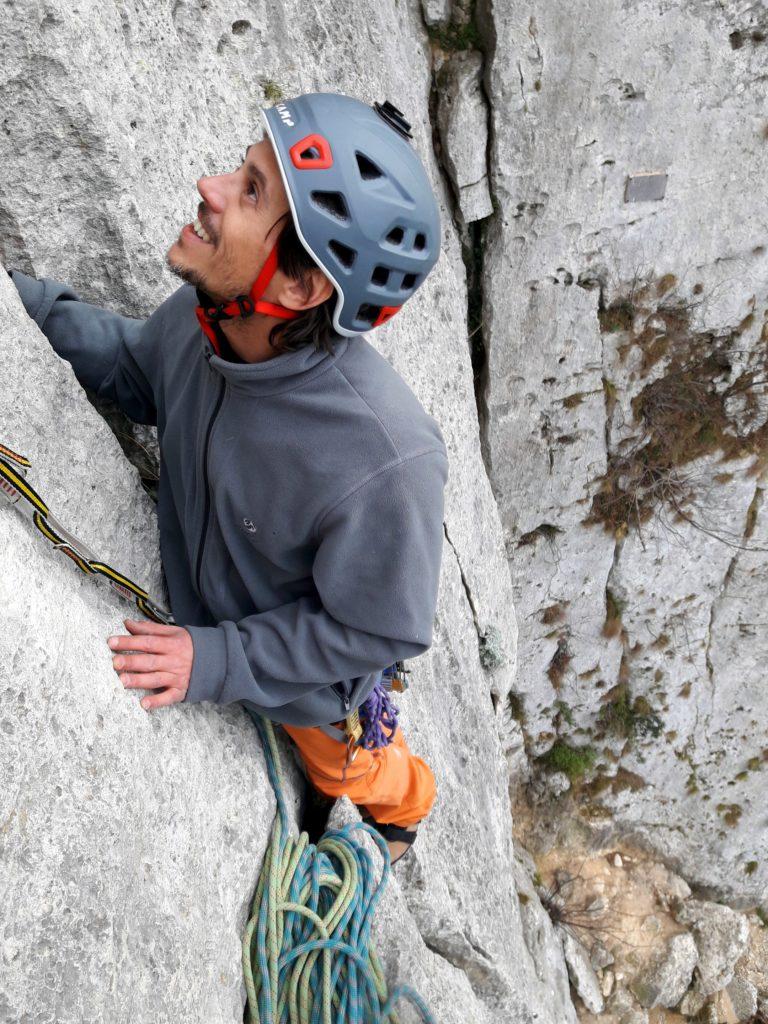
<point x="209" y="316"/>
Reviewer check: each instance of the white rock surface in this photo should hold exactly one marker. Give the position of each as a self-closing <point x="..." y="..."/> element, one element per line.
<point x="110" y="113"/>
<point x="721" y="937"/>
<point x="130" y="842"/>
<point x="665" y="982"/>
<point x="669" y="611"/>
<point x="743" y="996"/>
<point x="462" y="116"/>
<point x="582" y="975"/>
<point x="436" y="12"/>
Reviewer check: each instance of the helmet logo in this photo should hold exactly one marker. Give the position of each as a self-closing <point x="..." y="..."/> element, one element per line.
<point x="285" y="114"/>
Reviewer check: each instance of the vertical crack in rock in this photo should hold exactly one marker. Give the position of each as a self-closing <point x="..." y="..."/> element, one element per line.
<point x="749" y="526"/>
<point x="465" y="584"/>
<point x="522" y="86"/>
<point x="470" y="44"/>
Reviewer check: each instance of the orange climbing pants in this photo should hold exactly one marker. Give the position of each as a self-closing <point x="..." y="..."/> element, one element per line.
<point x="391" y="784"/>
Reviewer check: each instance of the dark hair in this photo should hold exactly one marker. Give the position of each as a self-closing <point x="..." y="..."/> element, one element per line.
<point x="314" y="326"/>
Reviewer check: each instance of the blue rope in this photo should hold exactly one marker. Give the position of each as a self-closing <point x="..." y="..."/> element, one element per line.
<point x="307" y="953"/>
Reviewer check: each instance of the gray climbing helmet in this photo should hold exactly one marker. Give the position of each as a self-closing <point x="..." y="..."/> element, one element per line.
<point x="361" y="201"/>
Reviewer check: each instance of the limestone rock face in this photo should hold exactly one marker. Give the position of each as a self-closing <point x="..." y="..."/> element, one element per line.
<point x="624" y="427"/>
<point x="721" y="937"/>
<point x="581" y="973"/>
<point x="463" y="119"/>
<point x="665" y="983"/>
<point x="129" y="840"/>
<point x="110" y="114"/>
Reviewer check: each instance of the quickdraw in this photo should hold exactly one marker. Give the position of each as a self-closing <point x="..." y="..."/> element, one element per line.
<point x="19" y="492"/>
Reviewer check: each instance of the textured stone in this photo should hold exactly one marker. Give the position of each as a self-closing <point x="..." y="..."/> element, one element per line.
<point x="130" y="840"/>
<point x="743" y="996"/>
<point x="599" y="956"/>
<point x="665" y="982"/>
<point x="583" y="977"/>
<point x="691" y="1003"/>
<point x="607" y="982"/>
<point x="721" y="936"/>
<point x="721" y="1009"/>
<point x="436" y="12"/>
<point x="753" y="965"/>
<point x="667" y="611"/>
<point x="462" y="116"/>
<point x="110" y="114"/>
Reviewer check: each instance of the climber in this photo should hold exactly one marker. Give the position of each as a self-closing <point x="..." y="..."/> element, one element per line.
<point x="300" y="502"/>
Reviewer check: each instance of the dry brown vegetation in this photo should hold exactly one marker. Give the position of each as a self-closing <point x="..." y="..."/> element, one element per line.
<point x="680" y="415"/>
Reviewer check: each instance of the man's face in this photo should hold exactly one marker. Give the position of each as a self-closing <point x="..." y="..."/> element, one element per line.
<point x="240" y="214"/>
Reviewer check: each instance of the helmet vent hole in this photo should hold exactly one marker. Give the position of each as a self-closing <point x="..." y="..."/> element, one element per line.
<point x="409" y="280"/>
<point x="420" y="241"/>
<point x="368" y="169"/>
<point x="343" y="253"/>
<point x="310" y="153"/>
<point x="396" y="236"/>
<point x="368" y="313"/>
<point x="332" y="203"/>
<point x="380" y="276"/>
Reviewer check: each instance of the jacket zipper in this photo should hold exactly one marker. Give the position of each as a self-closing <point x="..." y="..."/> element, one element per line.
<point x="340" y="690"/>
<point x="206" y="485"/>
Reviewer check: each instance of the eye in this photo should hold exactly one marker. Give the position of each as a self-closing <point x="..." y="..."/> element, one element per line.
<point x="252" y="190"/>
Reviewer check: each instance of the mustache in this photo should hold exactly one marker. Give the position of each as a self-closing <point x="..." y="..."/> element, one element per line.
<point x="202" y="216"/>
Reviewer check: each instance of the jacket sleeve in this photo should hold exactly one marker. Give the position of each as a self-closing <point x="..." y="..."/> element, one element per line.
<point x="376" y="573"/>
<point x="115" y="356"/>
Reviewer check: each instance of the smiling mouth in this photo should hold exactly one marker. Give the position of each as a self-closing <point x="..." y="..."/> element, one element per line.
<point x="200" y="231"/>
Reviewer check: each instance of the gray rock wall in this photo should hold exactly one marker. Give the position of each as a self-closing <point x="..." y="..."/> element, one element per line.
<point x="127" y="839"/>
<point x="110" y="114"/>
<point x="624" y="308"/>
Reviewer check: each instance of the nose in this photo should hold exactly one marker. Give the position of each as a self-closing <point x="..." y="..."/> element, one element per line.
<point x="213" y="191"/>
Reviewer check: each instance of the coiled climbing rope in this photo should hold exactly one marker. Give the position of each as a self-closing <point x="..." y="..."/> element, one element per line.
<point x="307" y="953"/>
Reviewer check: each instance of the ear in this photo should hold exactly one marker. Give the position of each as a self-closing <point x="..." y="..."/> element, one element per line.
<point x="294" y="296"/>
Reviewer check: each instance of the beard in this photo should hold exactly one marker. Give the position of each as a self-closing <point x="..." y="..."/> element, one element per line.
<point x="185" y="274"/>
<point x="228" y="287"/>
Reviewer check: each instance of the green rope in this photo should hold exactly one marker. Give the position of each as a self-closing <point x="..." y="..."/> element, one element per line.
<point x="307" y="954"/>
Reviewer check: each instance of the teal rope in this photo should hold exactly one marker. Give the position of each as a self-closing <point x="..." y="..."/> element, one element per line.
<point x="307" y="953"/>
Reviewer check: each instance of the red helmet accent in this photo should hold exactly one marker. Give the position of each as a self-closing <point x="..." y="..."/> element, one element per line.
<point x="387" y="312"/>
<point x="245" y="305"/>
<point x="312" y="163"/>
<point x="208" y="330"/>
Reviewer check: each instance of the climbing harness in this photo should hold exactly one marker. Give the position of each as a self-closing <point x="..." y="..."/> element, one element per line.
<point x="374" y="723"/>
<point x="306" y="953"/>
<point x="19" y="492"/>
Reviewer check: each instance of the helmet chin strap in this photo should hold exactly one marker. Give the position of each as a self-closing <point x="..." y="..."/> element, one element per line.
<point x="209" y="316"/>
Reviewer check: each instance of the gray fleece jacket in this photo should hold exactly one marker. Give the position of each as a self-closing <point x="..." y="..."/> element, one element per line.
<point x="300" y="502"/>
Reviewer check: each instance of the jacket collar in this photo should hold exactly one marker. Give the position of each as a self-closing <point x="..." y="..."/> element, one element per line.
<point x="284" y="372"/>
